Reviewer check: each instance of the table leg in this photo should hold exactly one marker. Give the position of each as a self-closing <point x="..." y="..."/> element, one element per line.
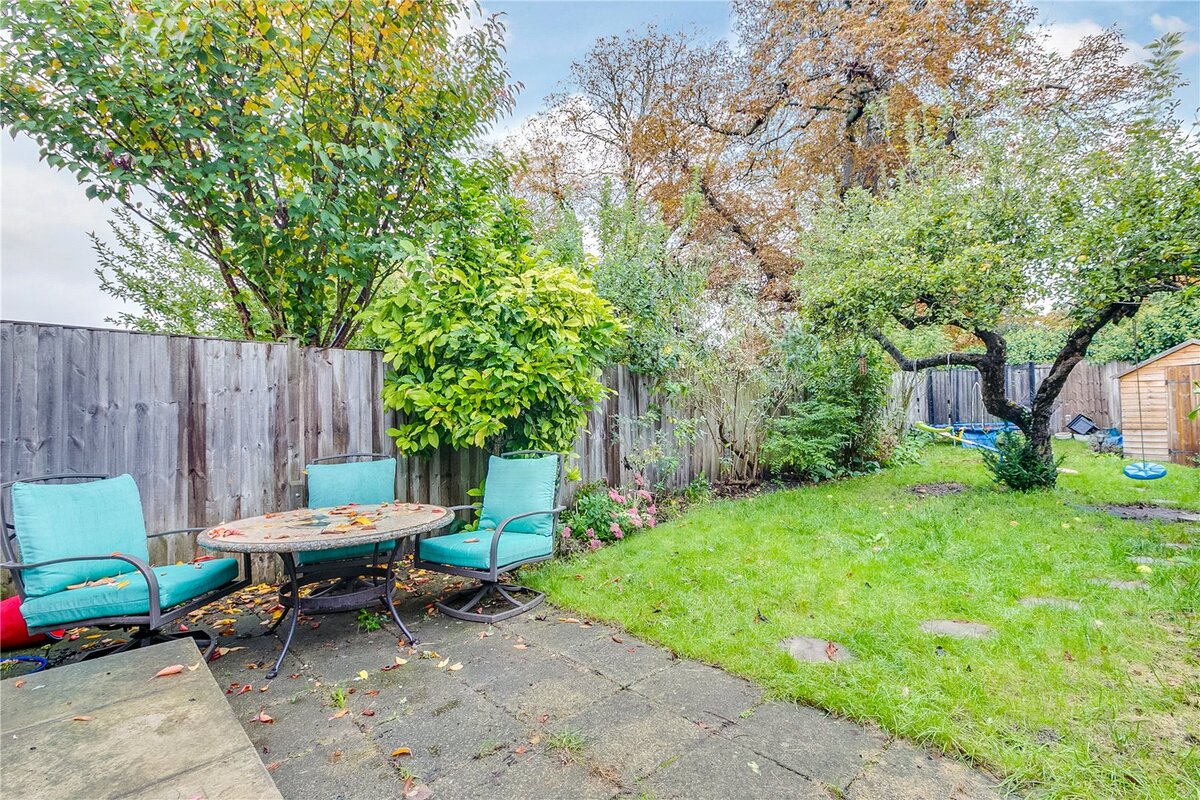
<point x="289" y="566"/>
<point x="388" y="588"/>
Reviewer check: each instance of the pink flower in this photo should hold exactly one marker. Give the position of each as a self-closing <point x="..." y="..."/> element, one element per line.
<point x="566" y="532"/>
<point x="594" y="544"/>
<point x="615" y="528"/>
<point x="639" y="480"/>
<point x="616" y="496"/>
<point x="591" y="533"/>
<point x="620" y="534"/>
<point x="635" y="517"/>
<point x="642" y="493"/>
<point x="652" y="510"/>
<point x="650" y="522"/>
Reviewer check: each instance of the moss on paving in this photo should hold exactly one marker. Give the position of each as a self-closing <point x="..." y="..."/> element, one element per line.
<point x="1096" y="702"/>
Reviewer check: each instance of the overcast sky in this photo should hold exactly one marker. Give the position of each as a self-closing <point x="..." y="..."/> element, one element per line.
<point x="46" y="260"/>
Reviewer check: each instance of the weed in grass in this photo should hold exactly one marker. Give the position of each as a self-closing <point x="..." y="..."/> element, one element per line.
<point x="337" y="698"/>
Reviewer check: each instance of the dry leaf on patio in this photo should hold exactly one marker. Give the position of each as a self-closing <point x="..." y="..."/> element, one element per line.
<point x="442" y="664"/>
<point x="18" y="684"/>
<point x="520" y="647"/>
<point x="568" y="619"/>
<point x="368" y="712"/>
<point x="618" y="640"/>
<point x="341" y="712"/>
<point x="263" y="717"/>
<point x="421" y="792"/>
<point x="455" y="667"/>
<point x="401" y="751"/>
<point x="174" y="669"/>
<point x="362" y="674"/>
<point x="82" y="718"/>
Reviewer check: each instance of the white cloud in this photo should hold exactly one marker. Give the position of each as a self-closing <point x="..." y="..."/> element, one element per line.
<point x="46" y="260"/>
<point x="1064" y="37"/>
<point x="1168" y="24"/>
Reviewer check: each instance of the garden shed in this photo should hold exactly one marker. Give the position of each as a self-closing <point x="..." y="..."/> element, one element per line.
<point x="1156" y="397"/>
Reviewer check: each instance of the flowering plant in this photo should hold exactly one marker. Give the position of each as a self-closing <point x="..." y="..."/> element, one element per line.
<point x="604" y="514"/>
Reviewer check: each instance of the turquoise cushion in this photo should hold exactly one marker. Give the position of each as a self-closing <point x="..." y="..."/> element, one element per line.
<point x="454" y="550"/>
<point x="361" y="482"/>
<point x="176" y="584"/>
<point x="515" y="486"/>
<point x="58" y="520"/>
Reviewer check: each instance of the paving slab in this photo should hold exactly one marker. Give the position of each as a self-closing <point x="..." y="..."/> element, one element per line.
<point x="905" y="772"/>
<point x="700" y="693"/>
<point x="808" y="741"/>
<point x="628" y="737"/>
<point x="72" y="732"/>
<point x="535" y="776"/>
<point x="621" y="658"/>
<point x="552" y="689"/>
<point x="1050" y="602"/>
<point x="957" y="628"/>
<point x="812" y="650"/>
<point x="719" y="769"/>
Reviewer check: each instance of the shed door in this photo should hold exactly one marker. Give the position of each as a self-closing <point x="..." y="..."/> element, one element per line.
<point x="1183" y="434"/>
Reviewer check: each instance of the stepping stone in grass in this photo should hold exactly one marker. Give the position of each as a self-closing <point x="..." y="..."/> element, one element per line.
<point x="959" y="629"/>
<point x="1179" y="545"/>
<point x="1161" y="562"/>
<point x="816" y="651"/>
<point x="1115" y="584"/>
<point x="1051" y="602"/>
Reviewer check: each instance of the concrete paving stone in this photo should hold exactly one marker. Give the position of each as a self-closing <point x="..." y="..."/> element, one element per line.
<point x="700" y="693"/>
<point x="443" y="737"/>
<point x="1119" y="584"/>
<point x="536" y="776"/>
<point x="813" y="650"/>
<point x="550" y="632"/>
<point x="621" y="657"/>
<point x="808" y="741"/>
<point x="553" y="688"/>
<point x="495" y="659"/>
<point x="956" y="628"/>
<point x="905" y="772"/>
<point x="350" y="769"/>
<point x="1050" y="602"/>
<point x="721" y="770"/>
<point x="629" y="737"/>
<point x="225" y="777"/>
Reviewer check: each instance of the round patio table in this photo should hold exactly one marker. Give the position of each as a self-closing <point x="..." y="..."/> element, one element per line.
<point x="304" y="530"/>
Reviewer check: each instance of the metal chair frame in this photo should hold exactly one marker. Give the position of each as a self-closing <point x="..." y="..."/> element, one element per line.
<point x="459" y="605"/>
<point x="149" y="626"/>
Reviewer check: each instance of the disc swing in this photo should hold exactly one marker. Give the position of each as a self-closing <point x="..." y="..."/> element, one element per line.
<point x="1141" y="470"/>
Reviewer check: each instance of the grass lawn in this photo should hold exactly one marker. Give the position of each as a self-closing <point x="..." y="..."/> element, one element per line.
<point x="1103" y="701"/>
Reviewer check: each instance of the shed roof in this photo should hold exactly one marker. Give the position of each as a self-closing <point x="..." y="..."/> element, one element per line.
<point x="1163" y="354"/>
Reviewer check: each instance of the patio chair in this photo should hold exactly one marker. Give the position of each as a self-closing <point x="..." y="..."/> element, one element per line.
<point x="78" y="550"/>
<point x="516" y="526"/>
<point x="362" y="479"/>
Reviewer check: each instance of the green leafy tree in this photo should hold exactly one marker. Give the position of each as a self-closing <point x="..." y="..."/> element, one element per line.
<point x="1021" y="216"/>
<point x="175" y="290"/>
<point x="295" y="146"/>
<point x="490" y="341"/>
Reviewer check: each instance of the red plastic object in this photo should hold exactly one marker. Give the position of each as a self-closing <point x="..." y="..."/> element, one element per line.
<point x="13" y="631"/>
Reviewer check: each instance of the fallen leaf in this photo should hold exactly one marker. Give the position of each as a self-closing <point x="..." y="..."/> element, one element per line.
<point x="274" y="765"/>
<point x="362" y="674"/>
<point x="263" y="717"/>
<point x="421" y="792"/>
<point x="19" y="684"/>
<point x="544" y="718"/>
<point x="174" y="669"/>
<point x="520" y="647"/>
<point x="195" y="666"/>
<point x="247" y="687"/>
<point x="401" y="751"/>
<point x="341" y="712"/>
<point x="455" y="667"/>
<point x="367" y="712"/>
<point x="264" y="687"/>
<point x="371" y="693"/>
<point x="400" y="662"/>
<point x="618" y="640"/>
<point x="831" y="650"/>
<point x="521" y="750"/>
<point x="471" y="540"/>
<point x="442" y="664"/>
<point x="82" y="718"/>
<point x="569" y="620"/>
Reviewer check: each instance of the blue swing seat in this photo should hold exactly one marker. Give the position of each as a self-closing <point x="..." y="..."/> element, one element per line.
<point x="1145" y="471"/>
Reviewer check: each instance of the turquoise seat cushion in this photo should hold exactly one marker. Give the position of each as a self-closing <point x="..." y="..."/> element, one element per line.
<point x="129" y="596"/>
<point x="95" y="518"/>
<point x="361" y="482"/>
<point x="515" y="486"/>
<point x="455" y="551"/>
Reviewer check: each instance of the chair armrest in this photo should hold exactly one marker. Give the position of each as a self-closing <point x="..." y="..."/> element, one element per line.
<point x="501" y="526"/>
<point x="141" y="566"/>
<point x="177" y="530"/>
<point x="470" y="506"/>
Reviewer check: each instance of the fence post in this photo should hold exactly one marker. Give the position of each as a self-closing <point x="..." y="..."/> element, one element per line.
<point x="295" y="423"/>
<point x="1032" y="383"/>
